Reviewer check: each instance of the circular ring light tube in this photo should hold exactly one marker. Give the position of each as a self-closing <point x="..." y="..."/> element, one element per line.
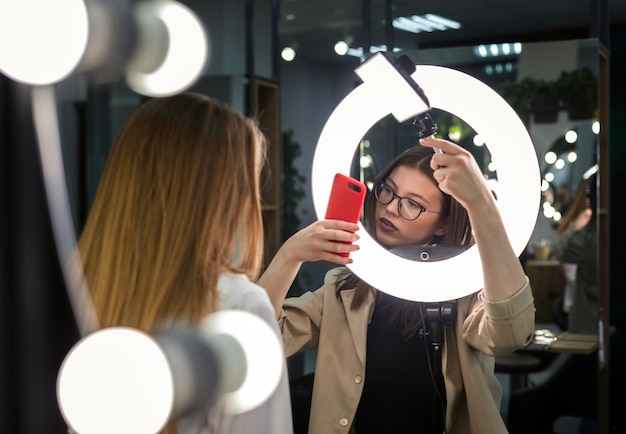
<point x="42" y="41"/>
<point x="115" y="380"/>
<point x="264" y="356"/>
<point x="507" y="140"/>
<point x="186" y="52"/>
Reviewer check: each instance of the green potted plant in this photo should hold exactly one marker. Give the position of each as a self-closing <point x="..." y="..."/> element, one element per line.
<point x="545" y="105"/>
<point x="578" y="92"/>
<point x="520" y="96"/>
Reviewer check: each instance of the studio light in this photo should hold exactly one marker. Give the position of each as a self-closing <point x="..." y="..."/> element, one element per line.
<point x="185" y="53"/>
<point x="116" y="379"/>
<point x="381" y="93"/>
<point x="425" y="23"/>
<point x="121" y="380"/>
<point x="341" y="48"/>
<point x="42" y="41"/>
<point x="288" y="54"/>
<point x="159" y="46"/>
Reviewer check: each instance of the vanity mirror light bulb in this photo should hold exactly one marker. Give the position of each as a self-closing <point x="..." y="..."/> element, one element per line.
<point x="124" y="381"/>
<point x="184" y="55"/>
<point x="42" y="41"/>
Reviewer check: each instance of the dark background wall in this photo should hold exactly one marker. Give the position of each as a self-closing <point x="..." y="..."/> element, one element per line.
<point x="617" y="165"/>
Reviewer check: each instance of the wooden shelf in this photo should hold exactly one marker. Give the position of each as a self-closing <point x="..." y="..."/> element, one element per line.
<point x="266" y="102"/>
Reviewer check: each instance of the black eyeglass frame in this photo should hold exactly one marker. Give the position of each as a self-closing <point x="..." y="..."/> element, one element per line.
<point x="394" y="195"/>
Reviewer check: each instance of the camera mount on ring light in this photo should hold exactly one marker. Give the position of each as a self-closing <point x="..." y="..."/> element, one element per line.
<point x="436" y="317"/>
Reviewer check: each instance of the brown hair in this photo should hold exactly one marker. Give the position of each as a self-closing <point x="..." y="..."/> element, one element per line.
<point x="578" y="205"/>
<point x="459" y="232"/>
<point x="178" y="204"/>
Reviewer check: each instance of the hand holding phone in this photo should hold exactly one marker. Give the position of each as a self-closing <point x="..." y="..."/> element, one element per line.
<point x="346" y="201"/>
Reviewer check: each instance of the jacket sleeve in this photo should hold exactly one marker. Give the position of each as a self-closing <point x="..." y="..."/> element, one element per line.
<point x="301" y="319"/>
<point x="498" y="328"/>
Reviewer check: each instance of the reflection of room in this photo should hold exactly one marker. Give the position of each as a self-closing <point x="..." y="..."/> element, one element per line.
<point x="295" y="97"/>
<point x="546" y="275"/>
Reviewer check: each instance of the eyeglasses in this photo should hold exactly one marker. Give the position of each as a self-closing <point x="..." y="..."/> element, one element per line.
<point x="408" y="208"/>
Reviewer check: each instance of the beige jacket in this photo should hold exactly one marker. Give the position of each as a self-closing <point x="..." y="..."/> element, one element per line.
<point x="483" y="329"/>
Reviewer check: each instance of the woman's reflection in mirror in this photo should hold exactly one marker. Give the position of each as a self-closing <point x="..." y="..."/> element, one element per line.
<point x="577" y="249"/>
<point x="374" y="371"/>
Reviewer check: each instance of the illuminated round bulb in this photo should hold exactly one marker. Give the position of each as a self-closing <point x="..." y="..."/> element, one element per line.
<point x="549" y="212"/>
<point x="572" y="156"/>
<point x="491" y="166"/>
<point x="481" y="50"/>
<point x="116" y="380"/>
<point x="559" y="164"/>
<point x="544" y="185"/>
<point x="288" y="54"/>
<point x="42" y="41"/>
<point x="549" y="176"/>
<point x="595" y="127"/>
<point x="478" y="141"/>
<point x="550" y="157"/>
<point x="341" y="48"/>
<point x="365" y="161"/>
<point x="505" y="136"/>
<point x="263" y="353"/>
<point x="187" y="51"/>
<point x="557" y="216"/>
<point x="571" y="136"/>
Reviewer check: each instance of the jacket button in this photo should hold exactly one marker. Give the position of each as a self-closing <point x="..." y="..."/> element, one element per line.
<point x="358" y="379"/>
<point x="343" y="421"/>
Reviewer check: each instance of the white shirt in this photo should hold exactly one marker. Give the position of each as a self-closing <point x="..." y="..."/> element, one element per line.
<point x="274" y="415"/>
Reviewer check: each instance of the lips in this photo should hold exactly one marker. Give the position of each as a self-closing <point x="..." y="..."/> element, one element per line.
<point x="387" y="225"/>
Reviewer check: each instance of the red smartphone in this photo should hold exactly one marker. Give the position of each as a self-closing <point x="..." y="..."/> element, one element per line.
<point x="346" y="200"/>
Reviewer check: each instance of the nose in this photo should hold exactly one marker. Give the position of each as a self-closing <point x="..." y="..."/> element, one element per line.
<point x="392" y="207"/>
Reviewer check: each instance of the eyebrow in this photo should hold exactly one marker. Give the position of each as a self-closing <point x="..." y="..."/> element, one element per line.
<point x="416" y="196"/>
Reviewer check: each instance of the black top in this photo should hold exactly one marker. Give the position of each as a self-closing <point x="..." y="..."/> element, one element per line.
<point x="398" y="394"/>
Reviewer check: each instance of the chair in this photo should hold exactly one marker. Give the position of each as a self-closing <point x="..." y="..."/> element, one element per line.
<point x="570" y="391"/>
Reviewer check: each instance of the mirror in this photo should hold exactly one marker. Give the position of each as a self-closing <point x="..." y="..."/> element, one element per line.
<point x="328" y="84"/>
<point x="526" y="63"/>
<point x="566" y="163"/>
<point x="388" y="138"/>
<point x="323" y="86"/>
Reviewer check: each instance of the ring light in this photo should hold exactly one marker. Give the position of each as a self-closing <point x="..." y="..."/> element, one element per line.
<point x="507" y="140"/>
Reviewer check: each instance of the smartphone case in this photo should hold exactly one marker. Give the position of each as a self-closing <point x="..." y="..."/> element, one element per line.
<point x="346" y="200"/>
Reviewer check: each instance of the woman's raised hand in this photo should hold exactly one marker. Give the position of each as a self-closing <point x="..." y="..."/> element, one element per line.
<point x="318" y="241"/>
<point x="457" y="173"/>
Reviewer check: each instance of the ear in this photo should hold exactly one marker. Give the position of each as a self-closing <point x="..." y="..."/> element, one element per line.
<point x="442" y="227"/>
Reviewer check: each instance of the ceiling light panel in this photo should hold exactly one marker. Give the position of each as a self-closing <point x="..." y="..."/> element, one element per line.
<point x="425" y="23"/>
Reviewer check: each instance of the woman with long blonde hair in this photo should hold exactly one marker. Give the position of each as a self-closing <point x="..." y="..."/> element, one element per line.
<point x="175" y="231"/>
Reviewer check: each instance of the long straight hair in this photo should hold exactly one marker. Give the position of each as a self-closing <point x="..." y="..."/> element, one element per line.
<point x="178" y="204"/>
<point x="459" y="232"/>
